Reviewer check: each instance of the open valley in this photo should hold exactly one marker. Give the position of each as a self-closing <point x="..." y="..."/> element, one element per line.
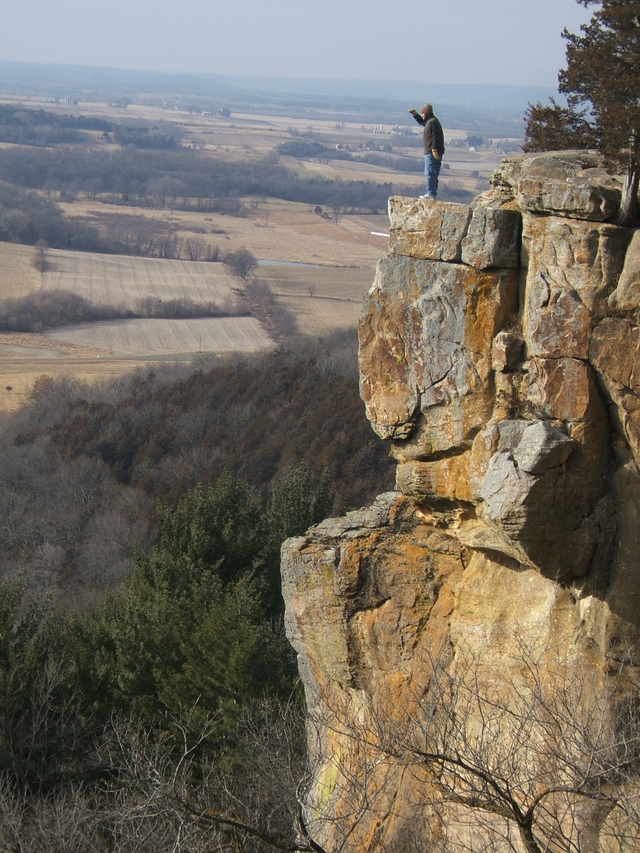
<point x="318" y="260"/>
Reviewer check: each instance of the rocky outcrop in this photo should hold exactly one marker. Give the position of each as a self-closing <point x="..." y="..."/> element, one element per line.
<point x="571" y="183"/>
<point x="499" y="355"/>
<point x="484" y="234"/>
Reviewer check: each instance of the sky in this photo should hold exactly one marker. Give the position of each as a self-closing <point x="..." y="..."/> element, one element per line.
<point x="514" y="42"/>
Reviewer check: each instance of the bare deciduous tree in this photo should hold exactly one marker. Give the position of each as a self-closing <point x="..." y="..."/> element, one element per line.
<point x="196" y="248"/>
<point x="168" y="245"/>
<point x="165" y="792"/>
<point x="39" y="258"/>
<point x="535" y="755"/>
<point x="524" y="757"/>
<point x="242" y="262"/>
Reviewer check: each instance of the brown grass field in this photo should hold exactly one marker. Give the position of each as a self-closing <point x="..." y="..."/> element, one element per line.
<point x="147" y="338"/>
<point x="123" y="280"/>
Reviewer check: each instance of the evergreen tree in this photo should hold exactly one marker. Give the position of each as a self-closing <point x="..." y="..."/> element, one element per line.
<point x="556" y="128"/>
<point x="602" y="71"/>
<point x="323" y="498"/>
<point x="200" y="622"/>
<point x="290" y="505"/>
<point x="44" y="731"/>
<point x="602" y="77"/>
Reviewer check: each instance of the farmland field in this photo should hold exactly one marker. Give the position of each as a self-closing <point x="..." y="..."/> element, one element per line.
<point x="123" y="280"/>
<point x="166" y="337"/>
<point x="18" y="276"/>
<point x="321" y="315"/>
<point x="271" y="228"/>
<point x="119" y="280"/>
<point x="344" y="283"/>
<point x="322" y="299"/>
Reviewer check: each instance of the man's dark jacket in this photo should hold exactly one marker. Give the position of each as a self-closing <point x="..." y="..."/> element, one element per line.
<point x="432" y="134"/>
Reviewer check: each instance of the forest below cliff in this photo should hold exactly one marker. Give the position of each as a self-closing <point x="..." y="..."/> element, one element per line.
<point x="141" y="613"/>
<point x="83" y="466"/>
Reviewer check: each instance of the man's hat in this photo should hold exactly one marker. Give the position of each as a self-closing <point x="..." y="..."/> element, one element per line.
<point x="427" y="107"/>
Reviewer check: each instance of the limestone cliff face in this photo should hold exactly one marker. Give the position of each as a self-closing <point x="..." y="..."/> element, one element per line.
<point x="499" y="355"/>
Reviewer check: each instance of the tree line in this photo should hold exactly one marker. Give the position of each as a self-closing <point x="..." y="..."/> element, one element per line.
<point x="183" y="178"/>
<point x="316" y="150"/>
<point x="29" y="218"/>
<point x="48" y="309"/>
<point x="25" y="126"/>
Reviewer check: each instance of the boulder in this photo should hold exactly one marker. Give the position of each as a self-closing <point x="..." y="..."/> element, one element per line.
<point x="484" y="234"/>
<point x="560" y="389"/>
<point x="493" y="234"/>
<point x="571" y="268"/>
<point x="507" y="351"/>
<point x="541" y="447"/>
<point x="505" y="177"/>
<point x="563" y="183"/>
<point x="615" y="353"/>
<point x="623" y="593"/>
<point x="535" y="500"/>
<point x="434" y="482"/>
<point x="432" y="230"/>
<point x="425" y="332"/>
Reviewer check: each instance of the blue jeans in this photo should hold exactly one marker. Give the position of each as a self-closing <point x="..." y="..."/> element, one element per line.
<point x="431" y="171"/>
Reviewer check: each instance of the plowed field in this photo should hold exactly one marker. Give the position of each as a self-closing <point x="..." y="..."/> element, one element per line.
<point x="321" y="315"/>
<point x="18" y="276"/>
<point x="124" y="280"/>
<point x="165" y="337"/>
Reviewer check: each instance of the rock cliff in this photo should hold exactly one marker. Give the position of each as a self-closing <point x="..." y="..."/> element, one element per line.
<point x="467" y="643"/>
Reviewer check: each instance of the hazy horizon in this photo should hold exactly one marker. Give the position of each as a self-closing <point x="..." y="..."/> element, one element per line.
<point x="498" y="42"/>
<point x="87" y="82"/>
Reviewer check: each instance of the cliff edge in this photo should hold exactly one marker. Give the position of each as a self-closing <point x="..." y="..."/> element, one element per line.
<point x="467" y="644"/>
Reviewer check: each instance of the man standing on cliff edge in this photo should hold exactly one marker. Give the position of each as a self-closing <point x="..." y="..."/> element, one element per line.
<point x="433" y="148"/>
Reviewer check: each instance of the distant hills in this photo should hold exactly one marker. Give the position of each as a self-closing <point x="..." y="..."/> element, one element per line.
<point x="507" y="98"/>
<point x="496" y="109"/>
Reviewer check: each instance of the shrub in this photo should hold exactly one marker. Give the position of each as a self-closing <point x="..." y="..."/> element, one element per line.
<point x="242" y="261"/>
